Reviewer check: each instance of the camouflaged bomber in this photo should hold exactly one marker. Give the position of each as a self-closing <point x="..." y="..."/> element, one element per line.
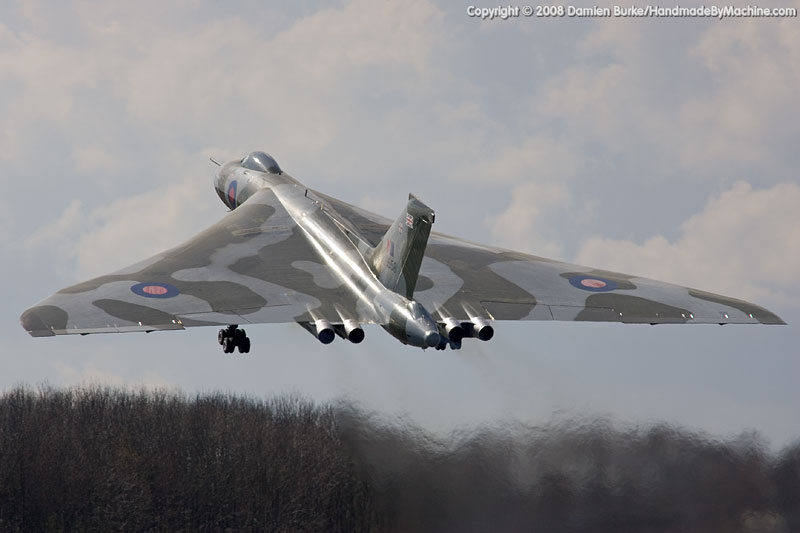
<point x="286" y="253"/>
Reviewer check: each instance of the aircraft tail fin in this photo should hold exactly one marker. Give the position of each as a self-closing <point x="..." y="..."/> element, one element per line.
<point x="398" y="257"/>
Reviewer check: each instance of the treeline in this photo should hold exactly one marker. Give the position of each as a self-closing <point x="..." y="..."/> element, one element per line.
<point x="108" y="459"/>
<point x="580" y="475"/>
<point x="105" y="459"/>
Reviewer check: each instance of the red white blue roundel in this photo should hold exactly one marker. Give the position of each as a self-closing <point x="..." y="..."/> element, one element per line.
<point x="232" y="194"/>
<point x="593" y="283"/>
<point x="155" y="290"/>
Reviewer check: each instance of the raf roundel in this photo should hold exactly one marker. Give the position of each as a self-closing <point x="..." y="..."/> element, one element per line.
<point x="232" y="194"/>
<point x="155" y="290"/>
<point x="593" y="283"/>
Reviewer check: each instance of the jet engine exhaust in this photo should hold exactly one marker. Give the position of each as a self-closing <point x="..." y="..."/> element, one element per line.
<point x="324" y="331"/>
<point x="452" y="329"/>
<point x="350" y="330"/>
<point x="480" y="328"/>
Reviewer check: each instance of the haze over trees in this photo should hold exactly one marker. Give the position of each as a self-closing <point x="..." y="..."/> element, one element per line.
<point x="98" y="458"/>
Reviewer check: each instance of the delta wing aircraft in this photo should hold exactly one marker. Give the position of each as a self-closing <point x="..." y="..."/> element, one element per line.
<point x="287" y="253"/>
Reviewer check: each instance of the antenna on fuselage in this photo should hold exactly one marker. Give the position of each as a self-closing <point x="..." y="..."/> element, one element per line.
<point x="215" y="162"/>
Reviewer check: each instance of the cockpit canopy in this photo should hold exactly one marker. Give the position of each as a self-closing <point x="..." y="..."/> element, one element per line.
<point x="261" y="162"/>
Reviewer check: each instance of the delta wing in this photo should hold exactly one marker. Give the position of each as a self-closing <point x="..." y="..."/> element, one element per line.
<point x="461" y="279"/>
<point x="253" y="266"/>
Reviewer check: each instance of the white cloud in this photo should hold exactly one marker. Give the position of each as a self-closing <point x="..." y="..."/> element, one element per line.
<point x="91" y="159"/>
<point x="713" y="99"/>
<point x="539" y="172"/>
<point x="70" y="219"/>
<point x="610" y="96"/>
<point x="523" y="225"/>
<point x="133" y="228"/>
<point x="538" y="158"/>
<point x="294" y="85"/>
<point x="48" y="73"/>
<point x="745" y="243"/>
<point x="754" y="93"/>
<point x="97" y="240"/>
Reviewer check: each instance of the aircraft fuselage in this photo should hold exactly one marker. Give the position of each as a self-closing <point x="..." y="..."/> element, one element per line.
<point x="405" y="319"/>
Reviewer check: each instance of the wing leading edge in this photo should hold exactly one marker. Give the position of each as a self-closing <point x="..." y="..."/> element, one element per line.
<point x="257" y="266"/>
<point x="460" y="279"/>
<point x="253" y="266"/>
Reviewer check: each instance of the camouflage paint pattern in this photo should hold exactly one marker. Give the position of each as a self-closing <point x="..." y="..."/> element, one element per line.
<point x="286" y="253"/>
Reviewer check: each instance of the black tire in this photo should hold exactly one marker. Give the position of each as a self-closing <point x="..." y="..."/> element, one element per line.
<point x="244" y="345"/>
<point x="238" y="335"/>
<point x="228" y="345"/>
<point x="221" y="336"/>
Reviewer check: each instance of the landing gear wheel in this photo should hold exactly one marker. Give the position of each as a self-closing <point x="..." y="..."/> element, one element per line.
<point x="244" y="345"/>
<point x="228" y="345"/>
<point x="231" y="338"/>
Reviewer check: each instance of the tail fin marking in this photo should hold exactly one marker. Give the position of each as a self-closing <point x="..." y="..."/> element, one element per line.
<point x="398" y="257"/>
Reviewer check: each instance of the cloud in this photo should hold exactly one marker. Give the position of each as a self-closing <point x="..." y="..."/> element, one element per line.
<point x="611" y="97"/>
<point x="140" y="226"/>
<point x="754" y="73"/>
<point x="57" y="236"/>
<point x="121" y="93"/>
<point x="293" y="83"/>
<point x="540" y="172"/>
<point x="92" y="159"/>
<point x="745" y="243"/>
<point x="726" y="115"/>
<point x="43" y="78"/>
<point x="534" y="158"/>
<point x="70" y="219"/>
<point x="524" y="226"/>
<point x="96" y="240"/>
<point x="237" y="77"/>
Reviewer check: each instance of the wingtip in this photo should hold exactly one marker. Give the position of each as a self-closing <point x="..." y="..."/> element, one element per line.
<point x="32" y="322"/>
<point x="770" y="319"/>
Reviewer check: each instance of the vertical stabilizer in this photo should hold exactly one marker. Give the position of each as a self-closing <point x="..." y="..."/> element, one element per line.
<point x="397" y="258"/>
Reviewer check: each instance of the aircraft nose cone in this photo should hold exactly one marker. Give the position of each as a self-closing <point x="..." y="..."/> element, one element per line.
<point x="432" y="339"/>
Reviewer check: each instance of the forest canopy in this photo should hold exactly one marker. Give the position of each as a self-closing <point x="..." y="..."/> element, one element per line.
<point x="100" y="458"/>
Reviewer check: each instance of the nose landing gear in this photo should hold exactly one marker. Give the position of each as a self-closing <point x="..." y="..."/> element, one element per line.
<point x="232" y="337"/>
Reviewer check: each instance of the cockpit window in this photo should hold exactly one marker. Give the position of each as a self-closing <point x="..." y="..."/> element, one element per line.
<point x="261" y="162"/>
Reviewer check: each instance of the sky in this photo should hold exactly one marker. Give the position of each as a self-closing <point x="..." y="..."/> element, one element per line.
<point x="660" y="147"/>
